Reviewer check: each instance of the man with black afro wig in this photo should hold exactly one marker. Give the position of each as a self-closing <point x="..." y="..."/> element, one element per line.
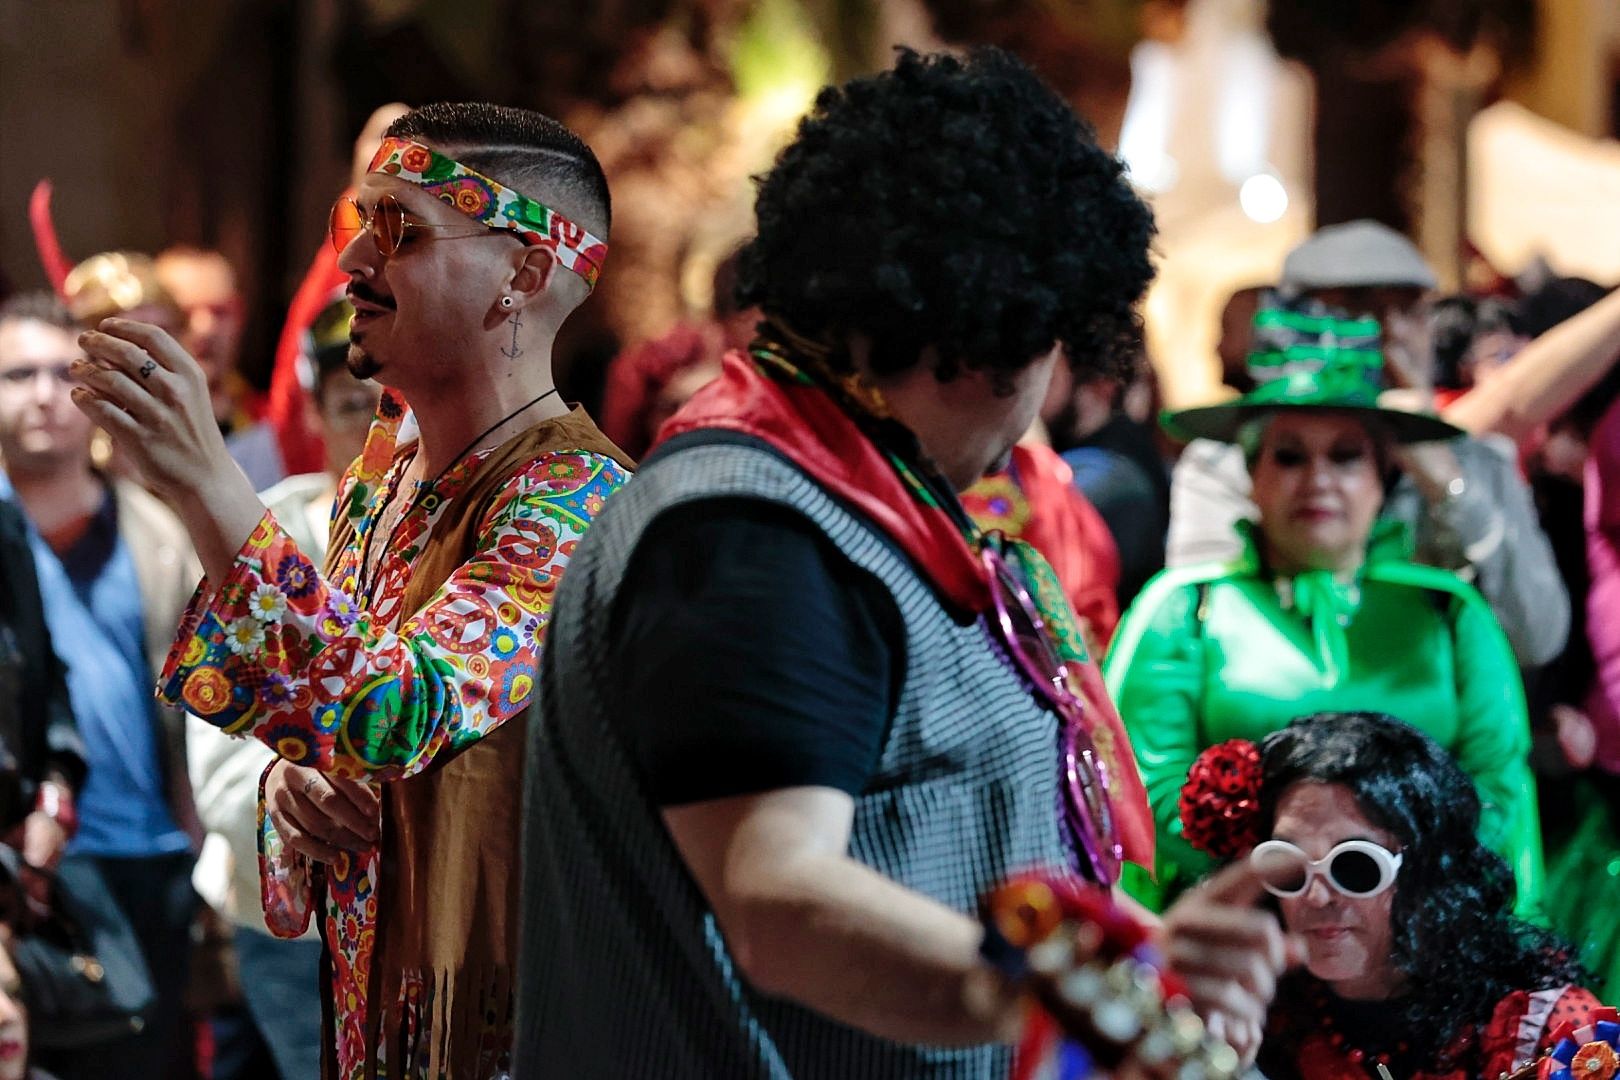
<point x="779" y="753"/>
<point x="393" y="684"/>
<point x="955" y="216"/>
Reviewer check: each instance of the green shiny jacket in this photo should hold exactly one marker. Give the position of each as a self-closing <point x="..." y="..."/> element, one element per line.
<point x="1227" y="651"/>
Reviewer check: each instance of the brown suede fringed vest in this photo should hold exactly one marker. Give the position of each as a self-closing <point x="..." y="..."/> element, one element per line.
<point x="441" y="994"/>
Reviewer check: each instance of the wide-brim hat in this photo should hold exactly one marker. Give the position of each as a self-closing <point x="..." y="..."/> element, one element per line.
<point x="1309" y="392"/>
<point x="1317" y="362"/>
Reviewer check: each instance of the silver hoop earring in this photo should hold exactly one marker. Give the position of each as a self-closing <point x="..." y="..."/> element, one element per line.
<point x="506" y="301"/>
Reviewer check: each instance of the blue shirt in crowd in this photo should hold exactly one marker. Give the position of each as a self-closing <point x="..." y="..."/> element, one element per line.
<point x="93" y="606"/>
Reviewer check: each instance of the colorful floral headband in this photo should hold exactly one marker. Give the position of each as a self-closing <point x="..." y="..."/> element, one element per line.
<point x="1220" y="802"/>
<point x="487" y="201"/>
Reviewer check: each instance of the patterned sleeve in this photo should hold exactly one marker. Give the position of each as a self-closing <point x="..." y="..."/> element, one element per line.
<point x="280" y="653"/>
<point x="285" y="877"/>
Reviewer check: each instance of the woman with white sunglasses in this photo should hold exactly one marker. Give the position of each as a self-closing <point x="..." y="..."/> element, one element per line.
<point x="1365" y="832"/>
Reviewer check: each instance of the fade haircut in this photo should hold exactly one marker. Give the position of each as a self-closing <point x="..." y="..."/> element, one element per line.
<point x="525" y="150"/>
<point x="39" y="306"/>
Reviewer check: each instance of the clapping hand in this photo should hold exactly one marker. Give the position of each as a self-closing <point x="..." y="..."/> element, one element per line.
<point x="152" y="400"/>
<point x="321" y="816"/>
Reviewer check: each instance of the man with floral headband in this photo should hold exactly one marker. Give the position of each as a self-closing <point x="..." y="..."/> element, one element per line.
<point x="780" y="748"/>
<point x="393" y="684"/>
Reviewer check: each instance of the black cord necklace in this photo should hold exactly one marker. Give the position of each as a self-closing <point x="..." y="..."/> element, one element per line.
<point x="369" y="573"/>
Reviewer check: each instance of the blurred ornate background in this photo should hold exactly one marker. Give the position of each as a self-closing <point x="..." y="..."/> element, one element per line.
<point x="230" y="124"/>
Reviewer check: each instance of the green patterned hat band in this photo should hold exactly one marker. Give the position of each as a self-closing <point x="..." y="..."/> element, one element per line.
<point x="1288" y="341"/>
<point x="1311" y="358"/>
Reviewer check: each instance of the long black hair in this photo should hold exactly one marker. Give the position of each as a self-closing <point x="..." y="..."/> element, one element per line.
<point x="1454" y="933"/>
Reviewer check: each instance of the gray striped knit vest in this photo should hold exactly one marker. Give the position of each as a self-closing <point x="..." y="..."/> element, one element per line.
<point x="623" y="970"/>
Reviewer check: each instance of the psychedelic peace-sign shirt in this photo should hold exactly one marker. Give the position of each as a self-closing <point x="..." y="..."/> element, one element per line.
<point x="339" y="677"/>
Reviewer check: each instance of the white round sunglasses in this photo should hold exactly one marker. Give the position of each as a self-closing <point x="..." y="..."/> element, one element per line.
<point x="1355" y="868"/>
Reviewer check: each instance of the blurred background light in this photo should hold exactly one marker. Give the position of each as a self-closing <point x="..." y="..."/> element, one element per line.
<point x="1263" y="198"/>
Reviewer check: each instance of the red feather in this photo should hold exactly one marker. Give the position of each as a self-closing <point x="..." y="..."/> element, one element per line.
<point x="49" y="247"/>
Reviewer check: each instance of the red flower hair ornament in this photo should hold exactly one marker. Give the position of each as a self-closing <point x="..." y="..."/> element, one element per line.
<point x="1220" y="802"/>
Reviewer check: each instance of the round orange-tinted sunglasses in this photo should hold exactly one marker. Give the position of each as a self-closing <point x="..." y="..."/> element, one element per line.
<point x="387" y="224"/>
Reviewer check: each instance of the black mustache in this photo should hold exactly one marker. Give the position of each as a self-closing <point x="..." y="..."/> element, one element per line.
<point x="363" y="293"/>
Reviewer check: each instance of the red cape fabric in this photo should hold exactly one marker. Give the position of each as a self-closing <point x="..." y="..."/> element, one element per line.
<point x="811" y="429"/>
<point x="1064" y="527"/>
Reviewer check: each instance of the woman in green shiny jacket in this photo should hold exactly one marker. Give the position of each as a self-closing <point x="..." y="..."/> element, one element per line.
<point x="1322" y="613"/>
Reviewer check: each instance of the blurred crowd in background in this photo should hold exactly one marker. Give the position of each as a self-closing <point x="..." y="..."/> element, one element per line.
<point x="148" y="819"/>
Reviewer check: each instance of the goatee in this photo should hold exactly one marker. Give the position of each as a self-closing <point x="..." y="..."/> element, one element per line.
<point x="361" y="364"/>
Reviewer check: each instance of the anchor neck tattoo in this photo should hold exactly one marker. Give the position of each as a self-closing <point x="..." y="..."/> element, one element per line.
<point x="516" y="350"/>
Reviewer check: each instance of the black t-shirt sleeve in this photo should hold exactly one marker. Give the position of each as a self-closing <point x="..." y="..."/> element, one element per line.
<point x="752" y="655"/>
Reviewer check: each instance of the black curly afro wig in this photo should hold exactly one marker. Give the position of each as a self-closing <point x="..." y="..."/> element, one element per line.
<point x="1454" y="933"/>
<point x="952" y="203"/>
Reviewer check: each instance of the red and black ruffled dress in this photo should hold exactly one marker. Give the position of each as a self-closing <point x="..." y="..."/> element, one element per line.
<point x="1315" y="1035"/>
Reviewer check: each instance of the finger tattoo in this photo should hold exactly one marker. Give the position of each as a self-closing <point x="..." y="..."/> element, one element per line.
<point x="147" y="369"/>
